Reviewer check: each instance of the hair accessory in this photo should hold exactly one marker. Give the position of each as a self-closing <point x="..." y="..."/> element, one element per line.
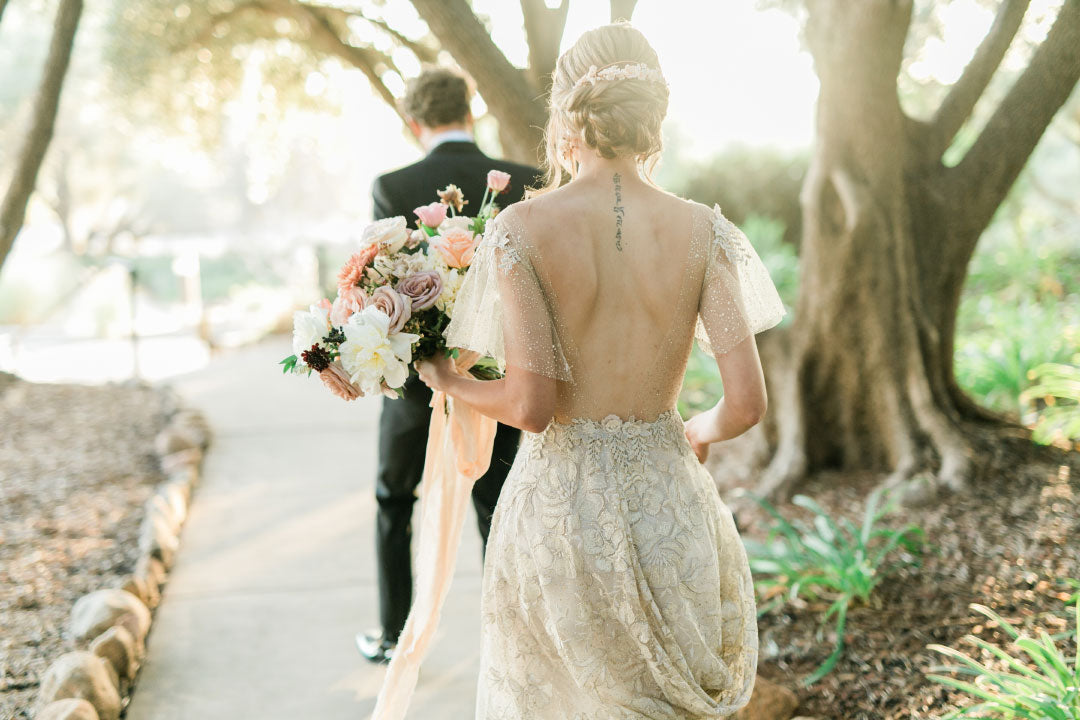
<point x="621" y="71"/>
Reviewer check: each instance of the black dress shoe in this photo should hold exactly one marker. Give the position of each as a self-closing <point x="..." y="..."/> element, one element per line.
<point x="372" y="646"/>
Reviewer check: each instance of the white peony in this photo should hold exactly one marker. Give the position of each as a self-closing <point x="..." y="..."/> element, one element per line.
<point x="371" y="355"/>
<point x="309" y="327"/>
<point x="390" y="233"/>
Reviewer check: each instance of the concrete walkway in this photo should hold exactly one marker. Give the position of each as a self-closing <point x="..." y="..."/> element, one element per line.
<point x="276" y="569"/>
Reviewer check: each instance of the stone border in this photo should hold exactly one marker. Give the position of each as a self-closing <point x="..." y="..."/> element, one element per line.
<point x="110" y="626"/>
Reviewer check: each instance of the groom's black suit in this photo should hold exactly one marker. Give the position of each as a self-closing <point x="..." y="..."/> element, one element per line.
<point x="403" y="426"/>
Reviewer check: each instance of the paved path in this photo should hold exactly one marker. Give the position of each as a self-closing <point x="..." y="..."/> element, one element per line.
<point x="276" y="569"/>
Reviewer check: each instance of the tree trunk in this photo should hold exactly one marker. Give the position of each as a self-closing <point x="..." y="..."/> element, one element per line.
<point x="622" y="9"/>
<point x="888" y="233"/>
<point x="43" y="120"/>
<point x="3" y="6"/>
<point x="510" y="96"/>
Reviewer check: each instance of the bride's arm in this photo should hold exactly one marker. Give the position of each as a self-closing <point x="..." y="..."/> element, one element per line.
<point x="742" y="406"/>
<point x="521" y="399"/>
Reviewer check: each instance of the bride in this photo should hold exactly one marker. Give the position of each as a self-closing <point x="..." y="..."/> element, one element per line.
<point x="616" y="585"/>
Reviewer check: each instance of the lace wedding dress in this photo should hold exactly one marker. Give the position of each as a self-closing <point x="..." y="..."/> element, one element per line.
<point x="616" y="585"/>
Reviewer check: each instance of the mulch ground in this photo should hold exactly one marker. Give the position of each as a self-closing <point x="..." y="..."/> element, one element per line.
<point x="1006" y="544"/>
<point x="76" y="465"/>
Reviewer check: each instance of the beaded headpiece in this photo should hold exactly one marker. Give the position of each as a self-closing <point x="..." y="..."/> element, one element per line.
<point x="621" y="71"/>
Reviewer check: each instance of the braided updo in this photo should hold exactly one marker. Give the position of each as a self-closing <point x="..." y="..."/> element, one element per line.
<point x="614" y="117"/>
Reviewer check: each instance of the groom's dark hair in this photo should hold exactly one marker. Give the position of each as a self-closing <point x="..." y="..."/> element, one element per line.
<point x="437" y="96"/>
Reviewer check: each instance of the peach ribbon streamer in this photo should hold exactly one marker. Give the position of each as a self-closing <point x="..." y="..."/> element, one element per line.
<point x="460" y="441"/>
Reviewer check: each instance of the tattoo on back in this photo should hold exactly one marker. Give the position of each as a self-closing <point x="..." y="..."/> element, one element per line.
<point x="620" y="211"/>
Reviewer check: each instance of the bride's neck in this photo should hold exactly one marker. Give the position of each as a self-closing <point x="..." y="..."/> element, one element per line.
<point x="593" y="167"/>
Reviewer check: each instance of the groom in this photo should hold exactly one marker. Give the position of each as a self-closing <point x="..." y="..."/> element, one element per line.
<point x="436" y="106"/>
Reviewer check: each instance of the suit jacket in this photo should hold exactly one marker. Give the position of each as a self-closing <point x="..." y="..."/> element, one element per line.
<point x="401" y="191"/>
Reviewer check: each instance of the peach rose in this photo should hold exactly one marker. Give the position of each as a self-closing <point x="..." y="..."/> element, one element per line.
<point x="497" y="181"/>
<point x="397" y="307"/>
<point x="325" y="304"/>
<point x="456" y="245"/>
<point x="350" y="300"/>
<point x="431" y="215"/>
<point x="337" y="381"/>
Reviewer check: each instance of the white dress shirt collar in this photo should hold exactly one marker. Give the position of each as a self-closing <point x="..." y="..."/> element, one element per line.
<point x="450" y="136"/>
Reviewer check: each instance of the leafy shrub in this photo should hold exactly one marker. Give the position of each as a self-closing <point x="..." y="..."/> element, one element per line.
<point x="831" y="560"/>
<point x="1058" y="386"/>
<point x="1044" y="687"/>
<point x="1020" y="307"/>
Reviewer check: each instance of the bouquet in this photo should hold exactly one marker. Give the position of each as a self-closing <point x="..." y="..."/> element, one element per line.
<point x="395" y="297"/>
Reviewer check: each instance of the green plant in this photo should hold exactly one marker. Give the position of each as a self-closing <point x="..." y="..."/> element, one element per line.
<point x="1058" y="386"/>
<point x="1019" y="307"/>
<point x="1045" y="687"/>
<point x="829" y="559"/>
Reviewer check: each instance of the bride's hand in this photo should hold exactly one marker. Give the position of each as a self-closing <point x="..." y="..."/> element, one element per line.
<point x="436" y="371"/>
<point x="694" y="436"/>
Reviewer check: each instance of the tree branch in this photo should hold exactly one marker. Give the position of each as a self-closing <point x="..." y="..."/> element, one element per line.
<point x="985" y="175"/>
<point x="425" y="53"/>
<point x="326" y="38"/>
<point x="544" y="28"/>
<point x="3" y="4"/>
<point x="510" y="96"/>
<point x="622" y="9"/>
<point x="965" y="93"/>
<point x="422" y="51"/>
<point x="322" y="36"/>
<point x="42" y="124"/>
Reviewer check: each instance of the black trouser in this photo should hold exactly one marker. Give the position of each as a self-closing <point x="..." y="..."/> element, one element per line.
<point x="403" y="432"/>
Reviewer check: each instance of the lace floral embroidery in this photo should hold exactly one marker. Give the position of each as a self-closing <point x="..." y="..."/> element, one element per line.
<point x="730" y="239"/>
<point x="617" y="587"/>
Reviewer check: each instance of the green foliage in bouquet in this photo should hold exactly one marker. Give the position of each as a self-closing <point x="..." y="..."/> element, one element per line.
<point x="1037" y="681"/>
<point x="829" y="559"/>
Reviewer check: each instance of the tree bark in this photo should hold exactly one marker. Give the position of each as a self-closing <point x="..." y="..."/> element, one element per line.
<point x="960" y="101"/>
<point x="888" y="233"/>
<point x="622" y="9"/>
<point x="544" y="28"/>
<point x="43" y="121"/>
<point x="3" y="6"/>
<point x="511" y="97"/>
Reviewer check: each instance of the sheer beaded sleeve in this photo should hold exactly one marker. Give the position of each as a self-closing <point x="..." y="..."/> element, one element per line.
<point x="738" y="298"/>
<point x="503" y="310"/>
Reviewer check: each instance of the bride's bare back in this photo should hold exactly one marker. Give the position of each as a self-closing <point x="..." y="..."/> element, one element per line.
<point x="622" y="268"/>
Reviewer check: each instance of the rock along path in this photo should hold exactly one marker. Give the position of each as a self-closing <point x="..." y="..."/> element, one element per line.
<point x="276" y="570"/>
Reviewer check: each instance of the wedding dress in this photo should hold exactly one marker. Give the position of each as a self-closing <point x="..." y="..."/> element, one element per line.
<point x="616" y="585"/>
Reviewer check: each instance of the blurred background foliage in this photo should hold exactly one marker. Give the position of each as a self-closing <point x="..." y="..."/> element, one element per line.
<point x="242" y="151"/>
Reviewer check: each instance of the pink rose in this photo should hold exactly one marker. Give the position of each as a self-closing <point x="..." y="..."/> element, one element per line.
<point x="456" y="245"/>
<point x="423" y="287"/>
<point x="337" y="380"/>
<point x="325" y="304"/>
<point x="396" y="306"/>
<point x="350" y="300"/>
<point x="497" y="181"/>
<point x="431" y="215"/>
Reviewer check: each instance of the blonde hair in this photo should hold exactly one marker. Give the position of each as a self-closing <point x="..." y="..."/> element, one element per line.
<point x="618" y="117"/>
